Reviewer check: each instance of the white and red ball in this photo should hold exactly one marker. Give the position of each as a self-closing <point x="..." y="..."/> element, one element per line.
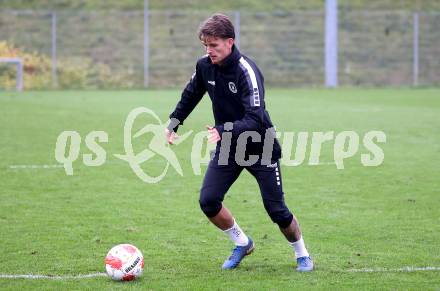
<point x="124" y="262"/>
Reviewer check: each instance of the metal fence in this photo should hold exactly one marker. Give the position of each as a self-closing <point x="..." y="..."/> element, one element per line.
<point x="133" y="49"/>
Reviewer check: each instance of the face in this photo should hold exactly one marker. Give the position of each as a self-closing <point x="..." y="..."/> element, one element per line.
<point x="218" y="48"/>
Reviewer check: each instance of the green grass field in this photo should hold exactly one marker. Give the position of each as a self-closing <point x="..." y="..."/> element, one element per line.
<point x="380" y="219"/>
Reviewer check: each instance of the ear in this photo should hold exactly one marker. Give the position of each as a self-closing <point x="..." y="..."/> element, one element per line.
<point x="230" y="42"/>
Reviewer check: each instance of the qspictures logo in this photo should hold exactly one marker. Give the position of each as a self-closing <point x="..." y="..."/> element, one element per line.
<point x="346" y="145"/>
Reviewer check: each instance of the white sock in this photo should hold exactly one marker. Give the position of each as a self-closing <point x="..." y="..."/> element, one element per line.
<point x="236" y="234"/>
<point x="300" y="248"/>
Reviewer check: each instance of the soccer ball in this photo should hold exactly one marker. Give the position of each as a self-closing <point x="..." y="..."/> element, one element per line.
<point x="124" y="262"/>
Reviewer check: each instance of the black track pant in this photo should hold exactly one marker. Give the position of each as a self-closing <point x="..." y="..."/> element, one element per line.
<point x="219" y="178"/>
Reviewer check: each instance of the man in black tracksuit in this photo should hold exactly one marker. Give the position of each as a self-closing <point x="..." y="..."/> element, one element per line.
<point x="244" y="137"/>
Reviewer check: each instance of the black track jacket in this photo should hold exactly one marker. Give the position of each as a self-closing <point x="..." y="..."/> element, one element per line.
<point x="236" y="89"/>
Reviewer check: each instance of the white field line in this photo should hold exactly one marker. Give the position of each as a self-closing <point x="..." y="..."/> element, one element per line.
<point x="403" y="269"/>
<point x="55" y="166"/>
<point x="322" y="163"/>
<point x="407" y="269"/>
<point x="55" y="277"/>
<point x="52" y="166"/>
<point x="36" y="166"/>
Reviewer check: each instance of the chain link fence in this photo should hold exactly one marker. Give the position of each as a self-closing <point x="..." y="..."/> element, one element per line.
<point x="380" y="48"/>
<point x="107" y="49"/>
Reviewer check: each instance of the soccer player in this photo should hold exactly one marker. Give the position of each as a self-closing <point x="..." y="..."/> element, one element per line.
<point x="236" y="88"/>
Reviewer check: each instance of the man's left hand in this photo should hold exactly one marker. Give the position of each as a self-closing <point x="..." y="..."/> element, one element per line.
<point x="213" y="135"/>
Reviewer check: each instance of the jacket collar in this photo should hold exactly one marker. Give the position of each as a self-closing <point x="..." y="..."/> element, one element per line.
<point x="230" y="60"/>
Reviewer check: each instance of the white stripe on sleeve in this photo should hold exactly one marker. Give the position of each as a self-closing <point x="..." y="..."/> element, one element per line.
<point x="250" y="74"/>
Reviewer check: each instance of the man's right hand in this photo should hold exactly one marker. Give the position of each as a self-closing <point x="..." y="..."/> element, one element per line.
<point x="171" y="136"/>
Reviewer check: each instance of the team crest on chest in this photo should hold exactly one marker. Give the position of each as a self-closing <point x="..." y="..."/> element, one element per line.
<point x="232" y="87"/>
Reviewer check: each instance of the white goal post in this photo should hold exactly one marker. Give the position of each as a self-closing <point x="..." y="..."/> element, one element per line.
<point x="19" y="63"/>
